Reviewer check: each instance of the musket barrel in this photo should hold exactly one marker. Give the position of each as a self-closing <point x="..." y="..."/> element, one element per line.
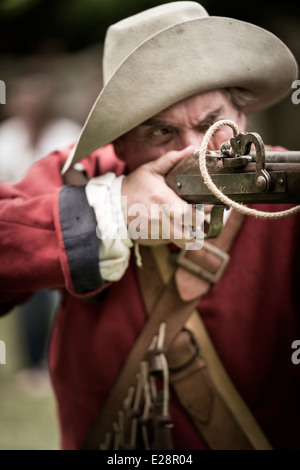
<point x="239" y="183"/>
<point x="281" y="157"/>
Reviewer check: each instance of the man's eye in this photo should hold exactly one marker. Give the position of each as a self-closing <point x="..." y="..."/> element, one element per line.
<point x="160" y="131"/>
<point x="205" y="125"/>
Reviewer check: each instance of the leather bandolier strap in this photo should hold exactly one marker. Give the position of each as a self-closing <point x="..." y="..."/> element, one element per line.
<point x="196" y="373"/>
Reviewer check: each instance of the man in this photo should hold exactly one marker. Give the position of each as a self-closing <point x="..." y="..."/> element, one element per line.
<point x="169" y="73"/>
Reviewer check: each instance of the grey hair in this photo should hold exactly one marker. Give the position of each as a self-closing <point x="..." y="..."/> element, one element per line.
<point x="240" y="97"/>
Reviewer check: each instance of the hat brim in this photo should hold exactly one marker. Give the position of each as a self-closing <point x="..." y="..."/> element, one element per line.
<point x="188" y="58"/>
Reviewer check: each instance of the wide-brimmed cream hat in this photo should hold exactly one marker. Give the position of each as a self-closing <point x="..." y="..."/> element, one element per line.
<point x="167" y="53"/>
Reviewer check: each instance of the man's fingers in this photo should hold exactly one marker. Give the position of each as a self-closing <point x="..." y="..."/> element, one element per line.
<point x="164" y="164"/>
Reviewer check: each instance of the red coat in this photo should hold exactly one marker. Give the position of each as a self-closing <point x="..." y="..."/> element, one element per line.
<point x="48" y="240"/>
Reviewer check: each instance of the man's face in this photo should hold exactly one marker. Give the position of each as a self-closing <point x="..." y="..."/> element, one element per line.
<point x="179" y="126"/>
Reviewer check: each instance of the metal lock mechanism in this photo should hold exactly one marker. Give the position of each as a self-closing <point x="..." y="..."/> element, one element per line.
<point x="236" y="156"/>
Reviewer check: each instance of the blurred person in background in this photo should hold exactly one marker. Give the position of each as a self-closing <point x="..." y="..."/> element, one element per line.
<point x="31" y="131"/>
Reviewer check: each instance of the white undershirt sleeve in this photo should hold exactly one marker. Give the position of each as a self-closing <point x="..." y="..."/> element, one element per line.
<point x="104" y="195"/>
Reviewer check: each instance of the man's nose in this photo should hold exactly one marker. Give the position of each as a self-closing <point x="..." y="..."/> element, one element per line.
<point x="195" y="138"/>
<point x="192" y="138"/>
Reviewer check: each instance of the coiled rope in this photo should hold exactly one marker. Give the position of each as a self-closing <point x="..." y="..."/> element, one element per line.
<point x="216" y="191"/>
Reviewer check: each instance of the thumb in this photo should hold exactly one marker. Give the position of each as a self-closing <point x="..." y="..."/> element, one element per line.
<point x="164" y="163"/>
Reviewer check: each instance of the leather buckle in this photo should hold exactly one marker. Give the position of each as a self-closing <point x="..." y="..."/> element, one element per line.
<point x="195" y="344"/>
<point x="199" y="271"/>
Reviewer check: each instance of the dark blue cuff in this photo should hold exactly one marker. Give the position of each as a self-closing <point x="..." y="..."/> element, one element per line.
<point x="78" y="223"/>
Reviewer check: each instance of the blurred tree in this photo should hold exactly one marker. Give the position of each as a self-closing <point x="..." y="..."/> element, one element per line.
<point x="24" y="24"/>
<point x="13" y="7"/>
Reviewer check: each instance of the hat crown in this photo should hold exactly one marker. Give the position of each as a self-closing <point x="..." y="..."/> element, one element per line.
<point x="124" y="37"/>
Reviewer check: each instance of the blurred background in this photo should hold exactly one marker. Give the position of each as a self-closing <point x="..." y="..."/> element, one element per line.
<point x="50" y="61"/>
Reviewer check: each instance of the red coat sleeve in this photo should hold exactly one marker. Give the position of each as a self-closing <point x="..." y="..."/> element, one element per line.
<point x="48" y="236"/>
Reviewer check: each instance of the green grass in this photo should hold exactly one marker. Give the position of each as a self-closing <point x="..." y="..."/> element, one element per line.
<point x="27" y="422"/>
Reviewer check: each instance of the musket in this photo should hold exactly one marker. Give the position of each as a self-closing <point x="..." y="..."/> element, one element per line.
<point x="245" y="176"/>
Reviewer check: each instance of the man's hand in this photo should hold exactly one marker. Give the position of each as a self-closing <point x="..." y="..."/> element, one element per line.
<point x="153" y="212"/>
